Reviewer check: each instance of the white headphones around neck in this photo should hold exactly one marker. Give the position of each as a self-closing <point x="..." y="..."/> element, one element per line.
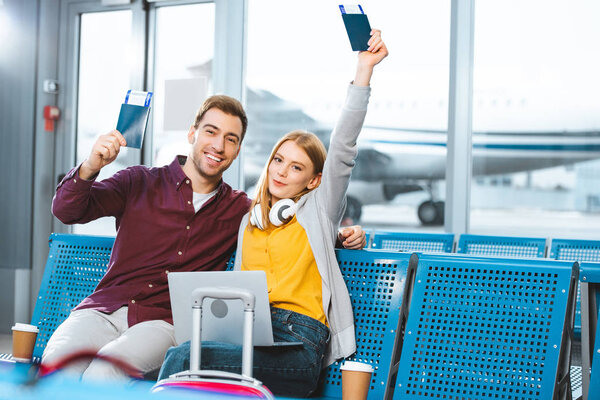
<point x="280" y="213"/>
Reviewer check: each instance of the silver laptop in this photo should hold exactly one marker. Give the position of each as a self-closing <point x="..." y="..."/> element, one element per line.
<point x="222" y="320"/>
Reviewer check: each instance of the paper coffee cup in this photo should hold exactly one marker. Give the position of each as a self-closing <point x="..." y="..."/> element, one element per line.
<point x="24" y="336"/>
<point x="356" y="379"/>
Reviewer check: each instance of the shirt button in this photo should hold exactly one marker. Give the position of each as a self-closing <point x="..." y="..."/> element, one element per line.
<point x="75" y="180"/>
<point x="189" y="202"/>
<point x="167" y="271"/>
<point x="180" y="253"/>
<point x="187" y="181"/>
<point x="177" y="183"/>
<point x="132" y="301"/>
<point x="187" y="227"/>
<point x="149" y="285"/>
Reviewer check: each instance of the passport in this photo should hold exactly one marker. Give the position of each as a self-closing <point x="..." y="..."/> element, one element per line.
<point x="357" y="27"/>
<point x="132" y="124"/>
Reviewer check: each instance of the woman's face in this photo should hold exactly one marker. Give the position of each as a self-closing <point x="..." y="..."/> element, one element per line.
<point x="290" y="172"/>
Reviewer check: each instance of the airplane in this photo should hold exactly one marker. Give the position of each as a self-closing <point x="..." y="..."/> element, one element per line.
<point x="393" y="161"/>
<point x="396" y="160"/>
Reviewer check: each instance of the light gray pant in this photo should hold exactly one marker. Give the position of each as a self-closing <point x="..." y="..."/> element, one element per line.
<point x="143" y="345"/>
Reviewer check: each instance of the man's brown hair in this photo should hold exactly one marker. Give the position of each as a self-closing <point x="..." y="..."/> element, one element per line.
<point x="228" y="105"/>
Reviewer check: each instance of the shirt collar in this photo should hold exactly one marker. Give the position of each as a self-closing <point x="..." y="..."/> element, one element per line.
<point x="176" y="169"/>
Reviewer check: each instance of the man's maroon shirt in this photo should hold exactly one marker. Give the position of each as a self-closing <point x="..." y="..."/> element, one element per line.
<point x="158" y="232"/>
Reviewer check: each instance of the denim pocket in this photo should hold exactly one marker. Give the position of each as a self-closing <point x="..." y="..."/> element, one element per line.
<point x="309" y="331"/>
<point x="304" y="334"/>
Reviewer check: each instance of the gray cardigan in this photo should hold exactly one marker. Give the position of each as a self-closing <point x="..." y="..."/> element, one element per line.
<point x="320" y="211"/>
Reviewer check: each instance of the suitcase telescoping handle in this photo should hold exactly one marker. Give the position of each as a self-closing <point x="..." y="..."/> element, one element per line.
<point x="224" y="293"/>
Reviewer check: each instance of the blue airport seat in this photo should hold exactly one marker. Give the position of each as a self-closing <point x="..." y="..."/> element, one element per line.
<point x="75" y="265"/>
<point x="376" y="282"/>
<point x="487" y="328"/>
<point x="231" y="262"/>
<point x="589" y="280"/>
<point x="575" y="250"/>
<point x="413" y="242"/>
<point x="503" y="246"/>
<point x="595" y="373"/>
<point x="594" y="385"/>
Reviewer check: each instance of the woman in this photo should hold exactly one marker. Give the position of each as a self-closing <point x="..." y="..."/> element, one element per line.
<point x="290" y="234"/>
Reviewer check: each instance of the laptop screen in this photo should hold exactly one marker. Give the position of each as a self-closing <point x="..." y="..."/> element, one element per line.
<point x="222" y="320"/>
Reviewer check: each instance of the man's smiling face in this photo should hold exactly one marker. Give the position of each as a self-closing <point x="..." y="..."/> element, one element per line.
<point x="216" y="143"/>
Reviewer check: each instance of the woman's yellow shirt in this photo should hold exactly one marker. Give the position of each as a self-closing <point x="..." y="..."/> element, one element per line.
<point x="285" y="255"/>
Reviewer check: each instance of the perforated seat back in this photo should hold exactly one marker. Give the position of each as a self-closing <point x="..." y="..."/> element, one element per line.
<point x="487" y="328"/>
<point x="230" y="262"/>
<point x="575" y="250"/>
<point x="421" y="242"/>
<point x="376" y="282"/>
<point x="594" y="388"/>
<point x="75" y="265"/>
<point x="503" y="246"/>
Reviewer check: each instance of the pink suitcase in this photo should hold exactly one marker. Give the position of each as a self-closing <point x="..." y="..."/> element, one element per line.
<point x="218" y="384"/>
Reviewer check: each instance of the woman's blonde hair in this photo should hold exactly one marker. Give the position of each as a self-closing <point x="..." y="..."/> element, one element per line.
<point x="314" y="149"/>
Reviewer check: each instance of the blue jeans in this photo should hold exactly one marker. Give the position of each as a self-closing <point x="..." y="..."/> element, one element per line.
<point x="286" y="371"/>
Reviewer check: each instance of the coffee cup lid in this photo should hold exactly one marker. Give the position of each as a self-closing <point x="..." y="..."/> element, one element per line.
<point x="356" y="366"/>
<point x="25" y="327"/>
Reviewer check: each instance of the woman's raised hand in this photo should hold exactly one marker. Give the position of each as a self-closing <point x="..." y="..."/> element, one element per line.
<point x="367" y="59"/>
<point x="376" y="52"/>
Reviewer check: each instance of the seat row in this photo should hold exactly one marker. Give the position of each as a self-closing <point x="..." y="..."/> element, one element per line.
<point x="509" y="246"/>
<point x="505" y="246"/>
<point x="440" y="325"/>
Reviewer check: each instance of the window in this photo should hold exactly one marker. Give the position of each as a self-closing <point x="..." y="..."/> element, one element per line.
<point x="535" y="119"/>
<point x="298" y="80"/>
<point x="184" y="51"/>
<point x="104" y="73"/>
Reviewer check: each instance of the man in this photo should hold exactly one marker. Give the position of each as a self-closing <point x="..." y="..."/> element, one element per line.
<point x="180" y="217"/>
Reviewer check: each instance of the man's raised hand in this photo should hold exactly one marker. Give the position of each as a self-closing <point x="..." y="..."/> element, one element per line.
<point x="105" y="150"/>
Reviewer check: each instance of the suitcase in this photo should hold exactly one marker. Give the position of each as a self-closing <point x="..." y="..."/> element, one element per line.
<point x="218" y="384"/>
